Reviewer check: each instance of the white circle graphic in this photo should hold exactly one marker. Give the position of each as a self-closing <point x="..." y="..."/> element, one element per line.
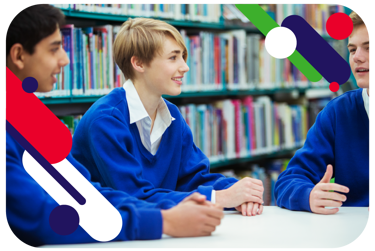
<point x="281" y="42"/>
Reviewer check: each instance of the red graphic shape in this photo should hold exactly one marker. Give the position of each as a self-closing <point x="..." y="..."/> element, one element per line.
<point x="35" y="122"/>
<point x="339" y="26"/>
<point x="334" y="86"/>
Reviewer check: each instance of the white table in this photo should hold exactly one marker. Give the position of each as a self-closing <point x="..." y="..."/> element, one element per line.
<point x="275" y="228"/>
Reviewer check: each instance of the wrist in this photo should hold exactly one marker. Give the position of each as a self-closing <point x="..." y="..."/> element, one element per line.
<point x="221" y="198"/>
<point x="166" y="221"/>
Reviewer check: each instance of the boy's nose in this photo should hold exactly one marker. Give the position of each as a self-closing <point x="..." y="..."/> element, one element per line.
<point x="359" y="56"/>
<point x="64" y="59"/>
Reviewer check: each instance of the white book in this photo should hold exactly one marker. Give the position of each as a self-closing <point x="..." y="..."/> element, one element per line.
<point x="177" y="11"/>
<point x="228" y="115"/>
<point x="268" y="113"/>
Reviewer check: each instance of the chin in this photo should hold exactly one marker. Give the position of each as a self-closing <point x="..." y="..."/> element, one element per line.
<point x="175" y="92"/>
<point x="363" y="84"/>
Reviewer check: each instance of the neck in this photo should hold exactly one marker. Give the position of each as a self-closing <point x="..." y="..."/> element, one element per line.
<point x="149" y="98"/>
<point x="368" y="91"/>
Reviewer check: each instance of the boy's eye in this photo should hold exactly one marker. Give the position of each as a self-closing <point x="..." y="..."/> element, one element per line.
<point x="55" y="49"/>
<point x="173" y="58"/>
<point x="352" y="50"/>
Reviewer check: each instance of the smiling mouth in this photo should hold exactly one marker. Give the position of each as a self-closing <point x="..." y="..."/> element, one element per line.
<point x="177" y="79"/>
<point x="363" y="70"/>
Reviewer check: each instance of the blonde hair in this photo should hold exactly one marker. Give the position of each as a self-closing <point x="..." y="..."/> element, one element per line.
<point x="357" y="20"/>
<point x="142" y="38"/>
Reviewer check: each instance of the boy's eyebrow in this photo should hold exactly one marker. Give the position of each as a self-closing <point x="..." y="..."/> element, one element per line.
<point x="56" y="43"/>
<point x="364" y="43"/>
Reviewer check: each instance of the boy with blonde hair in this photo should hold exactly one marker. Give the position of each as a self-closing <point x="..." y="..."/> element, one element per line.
<point x="337" y="145"/>
<point x="135" y="141"/>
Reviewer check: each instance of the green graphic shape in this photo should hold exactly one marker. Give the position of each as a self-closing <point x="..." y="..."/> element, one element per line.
<point x="265" y="24"/>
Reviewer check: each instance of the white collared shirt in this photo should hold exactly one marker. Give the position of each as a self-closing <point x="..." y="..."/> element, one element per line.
<point x="138" y="114"/>
<point x="365" y="100"/>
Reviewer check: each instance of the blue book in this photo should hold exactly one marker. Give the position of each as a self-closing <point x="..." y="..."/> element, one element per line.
<point x="77" y="57"/>
<point x="235" y="59"/>
<point x="183" y="10"/>
<point x="224" y="43"/>
<point x="67" y="32"/>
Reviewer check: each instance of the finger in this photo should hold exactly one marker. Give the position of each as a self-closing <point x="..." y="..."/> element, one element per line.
<point x="332" y="196"/>
<point x="243" y="208"/>
<point x="205" y="233"/>
<point x="322" y="210"/>
<point x="257" y="182"/>
<point x="328" y="175"/>
<point x="255" y="209"/>
<point x="213" y="212"/>
<point x="257" y="193"/>
<point x="334" y="187"/>
<point x="218" y="206"/>
<point x="252" y="198"/>
<point x="197" y="197"/>
<point x="250" y="206"/>
<point x="260" y="209"/>
<point x="211" y="221"/>
<point x="329" y="203"/>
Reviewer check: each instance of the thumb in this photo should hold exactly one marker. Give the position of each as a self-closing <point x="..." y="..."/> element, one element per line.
<point x="197" y="197"/>
<point x="328" y="175"/>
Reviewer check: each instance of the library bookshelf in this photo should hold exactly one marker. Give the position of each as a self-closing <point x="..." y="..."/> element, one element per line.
<point x="231" y="86"/>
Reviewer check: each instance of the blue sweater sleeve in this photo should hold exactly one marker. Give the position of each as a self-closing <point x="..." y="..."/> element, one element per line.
<point x="195" y="169"/>
<point x="308" y="165"/>
<point x="28" y="207"/>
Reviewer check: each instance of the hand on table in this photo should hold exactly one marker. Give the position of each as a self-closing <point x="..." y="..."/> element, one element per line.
<point x="245" y="190"/>
<point x="320" y="197"/>
<point x="192" y="217"/>
<point x="250" y="209"/>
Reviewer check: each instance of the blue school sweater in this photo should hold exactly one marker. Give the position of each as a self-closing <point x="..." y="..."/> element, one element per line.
<point x="111" y="148"/>
<point x="340" y="136"/>
<point x="28" y="207"/>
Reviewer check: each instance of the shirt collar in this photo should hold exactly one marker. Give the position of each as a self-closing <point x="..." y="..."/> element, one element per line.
<point x="365" y="100"/>
<point x="136" y="109"/>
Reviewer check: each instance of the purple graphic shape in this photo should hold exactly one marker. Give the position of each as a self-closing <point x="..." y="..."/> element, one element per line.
<point x="45" y="164"/>
<point x="29" y="85"/>
<point x="64" y="220"/>
<point x="317" y="51"/>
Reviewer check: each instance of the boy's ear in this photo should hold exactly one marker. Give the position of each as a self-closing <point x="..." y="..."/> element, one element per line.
<point x="137" y="64"/>
<point x="17" y="56"/>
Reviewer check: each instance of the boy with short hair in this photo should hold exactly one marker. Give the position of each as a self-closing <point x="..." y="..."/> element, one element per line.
<point x="135" y="141"/>
<point x="339" y="140"/>
<point x="34" y="49"/>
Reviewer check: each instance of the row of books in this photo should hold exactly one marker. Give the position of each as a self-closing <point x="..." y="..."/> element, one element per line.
<point x="230" y="60"/>
<point x="209" y="13"/>
<point x="315" y="14"/>
<point x="267" y="174"/>
<point x="238" y="128"/>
